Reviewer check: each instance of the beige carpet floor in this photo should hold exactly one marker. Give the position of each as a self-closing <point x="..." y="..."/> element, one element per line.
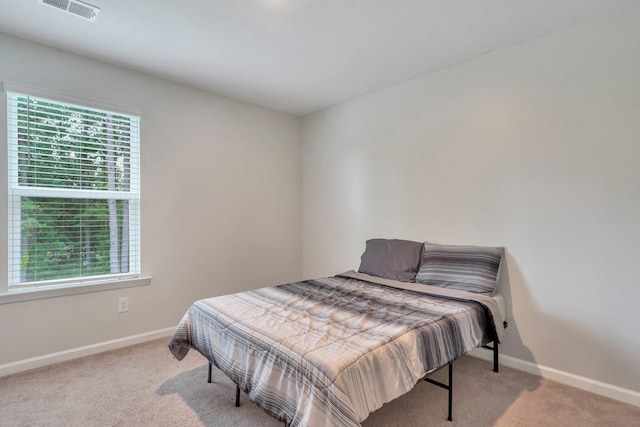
<point x="144" y="385"/>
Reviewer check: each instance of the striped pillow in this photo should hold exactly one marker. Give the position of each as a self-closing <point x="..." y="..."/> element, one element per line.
<point x="466" y="268"/>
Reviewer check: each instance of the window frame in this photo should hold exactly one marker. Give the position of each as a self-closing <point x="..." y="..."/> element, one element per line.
<point x="82" y="284"/>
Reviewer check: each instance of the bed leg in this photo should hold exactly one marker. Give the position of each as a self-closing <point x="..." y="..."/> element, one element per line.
<point x="448" y="387"/>
<point x="210" y="368"/>
<point x="237" y="396"/>
<point x="450" y="417"/>
<point x="494" y="348"/>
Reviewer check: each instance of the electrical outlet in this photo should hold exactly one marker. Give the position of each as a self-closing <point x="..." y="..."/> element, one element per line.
<point x="123" y="304"/>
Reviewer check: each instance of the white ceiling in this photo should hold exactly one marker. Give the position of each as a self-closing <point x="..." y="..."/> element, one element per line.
<point x="296" y="56"/>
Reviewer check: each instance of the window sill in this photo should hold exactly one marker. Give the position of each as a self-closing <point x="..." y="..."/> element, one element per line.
<point x="35" y="293"/>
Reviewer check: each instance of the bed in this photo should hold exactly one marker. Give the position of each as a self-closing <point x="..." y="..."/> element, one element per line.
<point x="329" y="351"/>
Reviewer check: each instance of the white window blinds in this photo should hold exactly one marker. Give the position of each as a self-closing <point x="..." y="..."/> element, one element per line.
<point x="74" y="193"/>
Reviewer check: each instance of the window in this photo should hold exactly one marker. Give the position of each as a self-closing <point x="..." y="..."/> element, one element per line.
<point x="74" y="193"/>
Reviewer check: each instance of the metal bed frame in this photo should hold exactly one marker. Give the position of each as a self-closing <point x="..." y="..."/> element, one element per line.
<point x="449" y="387"/>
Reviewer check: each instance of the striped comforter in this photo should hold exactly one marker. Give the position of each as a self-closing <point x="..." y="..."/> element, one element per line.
<point x="328" y="352"/>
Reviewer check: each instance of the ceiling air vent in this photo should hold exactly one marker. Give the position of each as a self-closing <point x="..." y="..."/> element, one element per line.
<point x="74" y="7"/>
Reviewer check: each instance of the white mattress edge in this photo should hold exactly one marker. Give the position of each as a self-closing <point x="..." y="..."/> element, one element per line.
<point x="502" y="305"/>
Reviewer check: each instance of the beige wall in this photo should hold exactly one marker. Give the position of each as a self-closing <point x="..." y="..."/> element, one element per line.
<point x="535" y="147"/>
<point x="221" y="202"/>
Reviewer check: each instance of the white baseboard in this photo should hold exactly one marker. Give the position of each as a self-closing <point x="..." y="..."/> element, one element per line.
<point x="583" y="383"/>
<point x="74" y="353"/>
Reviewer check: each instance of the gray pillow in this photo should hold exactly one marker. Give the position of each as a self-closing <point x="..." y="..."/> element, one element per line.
<point x="391" y="259"/>
<point x="466" y="268"/>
